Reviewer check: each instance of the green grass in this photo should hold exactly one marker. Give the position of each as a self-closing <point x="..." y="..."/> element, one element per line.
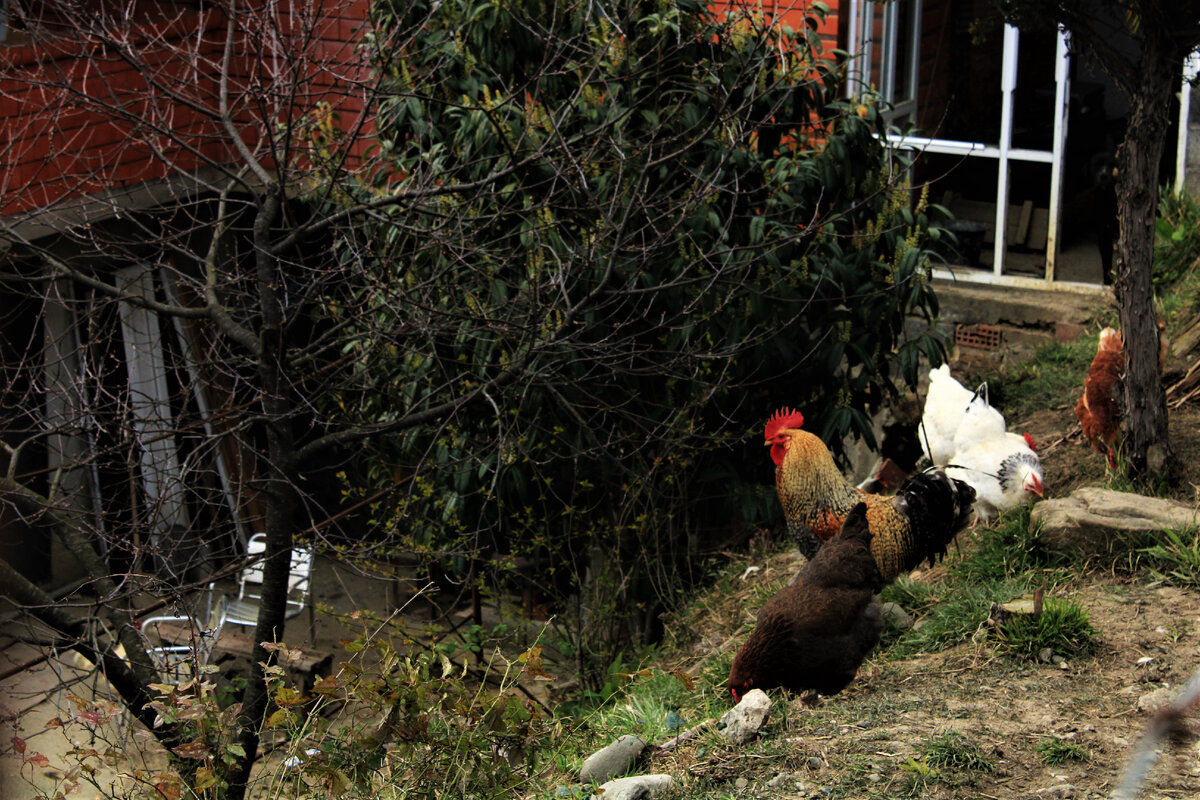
<point x="962" y="609"/>
<point x="1055" y="371"/>
<point x="1063" y="627"/>
<point x="1055" y="751"/>
<point x="948" y="757"/>
<point x="1175" y="557"/>
<point x="1005" y="549"/>
<point x="953" y="750"/>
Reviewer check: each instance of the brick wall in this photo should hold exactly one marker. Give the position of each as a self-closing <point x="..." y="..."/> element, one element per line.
<point x="79" y="119"/>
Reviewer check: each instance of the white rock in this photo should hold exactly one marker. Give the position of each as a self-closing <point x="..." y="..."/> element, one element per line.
<point x="896" y="617"/>
<point x="1154" y="700"/>
<point x="744" y="720"/>
<point x="635" y="787"/>
<point x="1099" y="521"/>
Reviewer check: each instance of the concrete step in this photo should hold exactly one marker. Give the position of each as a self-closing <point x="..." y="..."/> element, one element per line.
<point x="973" y="303"/>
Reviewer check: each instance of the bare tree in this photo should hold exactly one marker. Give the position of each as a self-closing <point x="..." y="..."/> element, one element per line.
<point x="242" y="244"/>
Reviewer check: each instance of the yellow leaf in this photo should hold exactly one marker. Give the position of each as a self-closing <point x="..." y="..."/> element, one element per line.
<point x="204" y="779"/>
<point x="281" y="717"/>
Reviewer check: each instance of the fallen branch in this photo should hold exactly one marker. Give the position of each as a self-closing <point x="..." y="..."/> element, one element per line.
<point x="690" y="733"/>
<point x="1185" y="388"/>
<point x="1075" y="431"/>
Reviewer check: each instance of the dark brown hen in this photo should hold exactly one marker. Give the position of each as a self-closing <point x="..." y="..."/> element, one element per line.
<point x="814" y="634"/>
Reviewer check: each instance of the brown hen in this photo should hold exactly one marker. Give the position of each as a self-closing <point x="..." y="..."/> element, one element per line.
<point x="1099" y="409"/>
<point x="814" y="634"/>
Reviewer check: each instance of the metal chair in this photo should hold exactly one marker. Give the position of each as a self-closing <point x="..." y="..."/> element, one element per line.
<point x="182" y="645"/>
<point x="244" y="609"/>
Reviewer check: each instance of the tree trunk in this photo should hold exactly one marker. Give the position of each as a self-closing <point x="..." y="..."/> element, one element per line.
<point x="1145" y="447"/>
<point x="281" y="499"/>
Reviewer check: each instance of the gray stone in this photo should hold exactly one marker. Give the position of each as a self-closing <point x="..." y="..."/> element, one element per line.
<point x="613" y="760"/>
<point x="781" y="780"/>
<point x="815" y="762"/>
<point x="744" y="720"/>
<point x="635" y="787"/>
<point x="1095" y="521"/>
<point x="896" y="617"/>
<point x="1154" y="700"/>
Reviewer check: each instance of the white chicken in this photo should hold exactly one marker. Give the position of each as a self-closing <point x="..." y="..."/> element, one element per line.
<point x="1003" y="469"/>
<point x="945" y="403"/>
<point x="979" y="421"/>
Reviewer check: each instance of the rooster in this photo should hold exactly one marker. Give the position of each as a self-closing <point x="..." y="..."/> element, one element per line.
<point x="1098" y="410"/>
<point x="916" y="524"/>
<point x="814" y="634"/>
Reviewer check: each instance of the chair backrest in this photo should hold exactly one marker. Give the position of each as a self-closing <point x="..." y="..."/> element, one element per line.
<point x="298" y="576"/>
<point x="190" y="645"/>
<point x="256" y="546"/>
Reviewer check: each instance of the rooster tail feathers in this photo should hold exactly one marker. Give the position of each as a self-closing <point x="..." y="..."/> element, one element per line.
<point x="981" y="393"/>
<point x="937" y="507"/>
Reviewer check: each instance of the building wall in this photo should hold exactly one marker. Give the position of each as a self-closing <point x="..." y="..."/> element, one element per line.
<point x="793" y="13"/>
<point x="62" y="101"/>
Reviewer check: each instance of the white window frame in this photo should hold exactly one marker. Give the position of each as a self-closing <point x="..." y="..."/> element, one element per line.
<point x="861" y="16"/>
<point x="862" y="42"/>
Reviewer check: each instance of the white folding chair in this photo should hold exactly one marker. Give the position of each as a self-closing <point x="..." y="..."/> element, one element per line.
<point x="244" y="609"/>
<point x="181" y="645"/>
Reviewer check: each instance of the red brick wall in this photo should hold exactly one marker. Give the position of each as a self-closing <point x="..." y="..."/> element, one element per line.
<point x="56" y="145"/>
<point x="61" y="140"/>
<point x="791" y="13"/>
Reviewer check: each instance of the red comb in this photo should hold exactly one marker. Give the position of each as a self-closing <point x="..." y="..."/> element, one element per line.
<point x="1029" y="441"/>
<point x="783" y="418"/>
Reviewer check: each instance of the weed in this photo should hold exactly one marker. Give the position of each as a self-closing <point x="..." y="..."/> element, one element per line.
<point x="1120" y="480"/>
<point x="920" y="776"/>
<point x="1175" y="558"/>
<point x="1055" y="751"/>
<point x="953" y="750"/>
<point x="1177" y="237"/>
<point x="913" y="595"/>
<point x="1063" y="627"/>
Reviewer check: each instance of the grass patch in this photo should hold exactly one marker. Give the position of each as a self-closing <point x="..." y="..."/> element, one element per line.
<point x="1153" y="485"/>
<point x="953" y="620"/>
<point x="1005" y="549"/>
<point x="1063" y="627"/>
<point x="914" y="596"/>
<point x="1055" y="751"/>
<point x="953" y="750"/>
<point x="1175" y="558"/>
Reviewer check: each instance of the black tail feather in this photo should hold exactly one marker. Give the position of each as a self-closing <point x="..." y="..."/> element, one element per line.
<point x="937" y="508"/>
